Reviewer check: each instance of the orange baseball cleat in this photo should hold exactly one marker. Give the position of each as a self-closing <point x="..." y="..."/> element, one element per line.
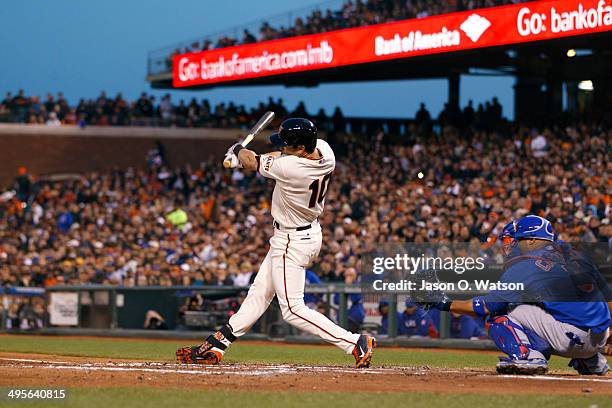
<point x="363" y="351"/>
<point x="200" y="354"/>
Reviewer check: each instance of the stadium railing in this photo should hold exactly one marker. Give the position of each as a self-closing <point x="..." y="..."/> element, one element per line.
<point x="116" y="307"/>
<point x="159" y="60"/>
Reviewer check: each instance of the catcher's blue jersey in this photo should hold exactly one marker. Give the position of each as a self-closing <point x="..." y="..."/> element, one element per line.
<point x="570" y="289"/>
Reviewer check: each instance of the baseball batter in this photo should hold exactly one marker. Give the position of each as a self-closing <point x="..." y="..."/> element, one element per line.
<point x="302" y="171"/>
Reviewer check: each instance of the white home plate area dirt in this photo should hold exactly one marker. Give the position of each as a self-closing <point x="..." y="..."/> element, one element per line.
<point x="33" y="370"/>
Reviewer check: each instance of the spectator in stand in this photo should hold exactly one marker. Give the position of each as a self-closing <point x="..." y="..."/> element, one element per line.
<point x="422" y="115"/>
<point x="23" y="184"/>
<point x="154" y="321"/>
<point x="248" y="37"/>
<point x="423" y="118"/>
<point x="339" y="124"/>
<point x="465" y="327"/>
<point x="53" y="120"/>
<point x="20" y="105"/>
<point x="300" y="111"/>
<point x="539" y="145"/>
<point x="469" y="114"/>
<point x="144" y="106"/>
<point x="356" y="313"/>
<point x="383" y="309"/>
<point x="414" y="321"/>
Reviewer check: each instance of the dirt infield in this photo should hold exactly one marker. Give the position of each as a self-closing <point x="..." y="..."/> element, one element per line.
<point x="20" y="369"/>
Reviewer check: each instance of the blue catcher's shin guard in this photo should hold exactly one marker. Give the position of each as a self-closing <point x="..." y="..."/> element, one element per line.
<point x="517" y="342"/>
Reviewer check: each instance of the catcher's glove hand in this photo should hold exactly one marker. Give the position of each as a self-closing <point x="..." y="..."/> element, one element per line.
<point x="431" y="299"/>
<point x="443" y="304"/>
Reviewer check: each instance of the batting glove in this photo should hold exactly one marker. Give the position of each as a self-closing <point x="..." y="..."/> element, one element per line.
<point x="231" y="149"/>
<point x="234" y="162"/>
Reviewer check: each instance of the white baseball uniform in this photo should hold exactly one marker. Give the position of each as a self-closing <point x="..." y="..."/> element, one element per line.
<point x="297" y="202"/>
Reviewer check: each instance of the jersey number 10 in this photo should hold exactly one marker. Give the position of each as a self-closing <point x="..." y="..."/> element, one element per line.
<point x="317" y="195"/>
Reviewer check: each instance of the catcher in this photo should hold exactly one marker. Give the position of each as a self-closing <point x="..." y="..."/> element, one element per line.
<point x="576" y="327"/>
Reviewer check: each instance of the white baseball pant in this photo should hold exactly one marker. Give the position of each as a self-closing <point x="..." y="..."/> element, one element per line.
<point x="282" y="273"/>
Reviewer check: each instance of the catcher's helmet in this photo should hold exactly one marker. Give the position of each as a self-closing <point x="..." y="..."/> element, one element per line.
<point x="295" y="132"/>
<point x="534" y="227"/>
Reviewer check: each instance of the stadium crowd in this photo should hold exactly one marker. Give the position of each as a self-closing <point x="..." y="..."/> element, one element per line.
<point x="109" y="111"/>
<point x="460" y="181"/>
<point x="193" y="226"/>
<point x="117" y="111"/>
<point x="351" y="14"/>
<point x="145" y="111"/>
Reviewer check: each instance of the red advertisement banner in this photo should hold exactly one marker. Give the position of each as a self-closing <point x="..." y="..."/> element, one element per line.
<point x="513" y="24"/>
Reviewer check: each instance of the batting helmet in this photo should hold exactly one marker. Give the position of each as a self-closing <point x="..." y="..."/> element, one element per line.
<point x="296" y="132"/>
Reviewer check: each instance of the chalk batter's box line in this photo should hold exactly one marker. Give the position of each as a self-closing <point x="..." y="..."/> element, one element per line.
<point x="260" y="371"/>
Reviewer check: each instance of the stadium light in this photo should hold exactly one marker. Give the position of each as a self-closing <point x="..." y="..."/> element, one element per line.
<point x="571" y="53"/>
<point x="586" y="85"/>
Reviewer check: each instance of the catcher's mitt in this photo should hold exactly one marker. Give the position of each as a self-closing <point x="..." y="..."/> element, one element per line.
<point x="431" y="299"/>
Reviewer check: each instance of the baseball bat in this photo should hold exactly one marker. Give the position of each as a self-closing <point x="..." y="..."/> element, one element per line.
<point x="259" y="126"/>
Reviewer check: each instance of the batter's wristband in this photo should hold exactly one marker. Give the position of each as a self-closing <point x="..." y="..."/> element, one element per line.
<point x="237" y="149"/>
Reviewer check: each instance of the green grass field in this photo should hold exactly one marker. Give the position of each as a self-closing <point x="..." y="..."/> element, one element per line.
<point x="273" y="354"/>
<point x="185" y="398"/>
